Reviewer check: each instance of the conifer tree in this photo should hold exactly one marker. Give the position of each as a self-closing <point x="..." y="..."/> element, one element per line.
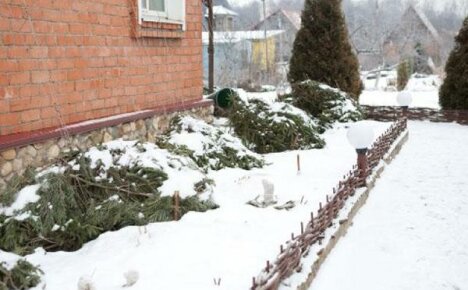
<point x="322" y="51"/>
<point x="454" y="91"/>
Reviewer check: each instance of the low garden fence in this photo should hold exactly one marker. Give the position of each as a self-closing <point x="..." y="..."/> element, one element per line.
<point x="389" y="113"/>
<point x="289" y="258"/>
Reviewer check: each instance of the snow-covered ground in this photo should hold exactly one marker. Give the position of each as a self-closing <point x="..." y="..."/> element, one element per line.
<point x="381" y="98"/>
<point x="412" y="233"/>
<point x="425" y="92"/>
<point x="231" y="243"/>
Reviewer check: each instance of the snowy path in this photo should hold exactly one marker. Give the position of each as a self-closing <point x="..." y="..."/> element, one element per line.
<point x="413" y="232"/>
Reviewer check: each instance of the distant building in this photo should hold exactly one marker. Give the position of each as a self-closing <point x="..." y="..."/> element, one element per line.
<point x="290" y="22"/>
<point x="415" y="32"/>
<point x="240" y="56"/>
<point x="223" y="18"/>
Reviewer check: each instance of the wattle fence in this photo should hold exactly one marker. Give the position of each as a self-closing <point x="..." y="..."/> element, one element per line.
<point x="389" y="113"/>
<point x="289" y="259"/>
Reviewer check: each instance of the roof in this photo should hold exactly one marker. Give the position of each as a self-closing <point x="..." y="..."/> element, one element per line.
<point x="221" y="10"/>
<point x="425" y="21"/>
<point x="293" y="16"/>
<point x="238" y="36"/>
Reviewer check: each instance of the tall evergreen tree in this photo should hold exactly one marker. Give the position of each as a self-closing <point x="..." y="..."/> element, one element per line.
<point x="454" y="91"/>
<point x="322" y="51"/>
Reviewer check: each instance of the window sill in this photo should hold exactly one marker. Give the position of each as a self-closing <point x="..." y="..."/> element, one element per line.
<point x="159" y="30"/>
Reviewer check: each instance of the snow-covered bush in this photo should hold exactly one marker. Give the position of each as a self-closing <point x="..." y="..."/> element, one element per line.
<point x="209" y="146"/>
<point x="103" y="189"/>
<point x="22" y="275"/>
<point x="274" y="127"/>
<point x="325" y="103"/>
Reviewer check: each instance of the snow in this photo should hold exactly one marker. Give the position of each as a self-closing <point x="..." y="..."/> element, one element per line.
<point x="411" y="234"/>
<point x="380" y="98"/>
<point x="182" y="172"/>
<point x="231" y="243"/>
<point x="424" y="89"/>
<point x="221" y="10"/>
<point x="8" y="260"/>
<point x="25" y="196"/>
<point x="203" y="138"/>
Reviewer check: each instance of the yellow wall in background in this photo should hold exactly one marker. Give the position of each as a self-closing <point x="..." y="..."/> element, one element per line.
<point x="259" y="53"/>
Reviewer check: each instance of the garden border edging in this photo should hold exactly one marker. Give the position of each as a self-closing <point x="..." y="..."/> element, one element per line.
<point x="348" y="222"/>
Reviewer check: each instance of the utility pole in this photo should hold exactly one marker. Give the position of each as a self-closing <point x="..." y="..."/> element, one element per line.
<point x="266" y="39"/>
<point x="209" y="5"/>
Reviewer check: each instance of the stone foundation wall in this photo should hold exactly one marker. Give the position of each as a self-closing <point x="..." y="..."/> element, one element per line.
<point x="14" y="161"/>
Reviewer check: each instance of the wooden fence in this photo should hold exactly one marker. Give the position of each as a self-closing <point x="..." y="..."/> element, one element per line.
<point x="388" y="113"/>
<point x="289" y="259"/>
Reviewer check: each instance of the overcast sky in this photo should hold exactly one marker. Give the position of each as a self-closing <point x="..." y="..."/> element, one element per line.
<point x="439" y="4"/>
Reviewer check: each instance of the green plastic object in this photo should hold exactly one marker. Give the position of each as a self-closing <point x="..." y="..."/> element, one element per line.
<point x="223" y="98"/>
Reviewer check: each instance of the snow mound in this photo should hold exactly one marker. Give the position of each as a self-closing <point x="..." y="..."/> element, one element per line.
<point x="210" y="147"/>
<point x="273" y="126"/>
<point x="328" y="105"/>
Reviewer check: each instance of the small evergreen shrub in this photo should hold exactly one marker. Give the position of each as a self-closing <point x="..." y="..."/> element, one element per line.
<point x="326" y="104"/>
<point x="277" y="127"/>
<point x="404" y="72"/>
<point x="21" y="277"/>
<point x="210" y="147"/>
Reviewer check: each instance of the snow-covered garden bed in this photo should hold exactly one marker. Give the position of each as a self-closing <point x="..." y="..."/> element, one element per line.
<point x="225" y="246"/>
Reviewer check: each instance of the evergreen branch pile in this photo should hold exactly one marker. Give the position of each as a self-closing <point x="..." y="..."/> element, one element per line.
<point x="276" y="127"/>
<point x="87" y="196"/>
<point x="210" y="147"/>
<point x="21" y="277"/>
<point x="327" y="104"/>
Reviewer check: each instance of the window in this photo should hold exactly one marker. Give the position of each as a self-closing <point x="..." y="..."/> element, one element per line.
<point x="153" y="8"/>
<point x="168" y="11"/>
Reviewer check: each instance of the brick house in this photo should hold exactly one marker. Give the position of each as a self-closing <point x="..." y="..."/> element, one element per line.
<point x="75" y="73"/>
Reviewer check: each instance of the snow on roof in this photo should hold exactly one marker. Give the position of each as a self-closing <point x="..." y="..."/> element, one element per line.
<point x="239" y="3"/>
<point x="292" y="15"/>
<point x="221" y="10"/>
<point x="237" y="36"/>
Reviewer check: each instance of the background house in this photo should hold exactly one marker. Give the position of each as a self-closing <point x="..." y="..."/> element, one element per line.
<point x="290" y="22"/>
<point x="414" y="35"/>
<point x="240" y="56"/>
<point x="104" y="63"/>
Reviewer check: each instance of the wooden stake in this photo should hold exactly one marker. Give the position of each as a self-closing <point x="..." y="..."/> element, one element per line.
<point x="298" y="164"/>
<point x="176" y="205"/>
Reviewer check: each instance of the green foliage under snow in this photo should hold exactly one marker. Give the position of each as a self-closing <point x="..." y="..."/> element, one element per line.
<point x="276" y="127"/>
<point x="20" y="277"/>
<point x="210" y="147"/>
<point x="87" y="196"/>
<point x="326" y="104"/>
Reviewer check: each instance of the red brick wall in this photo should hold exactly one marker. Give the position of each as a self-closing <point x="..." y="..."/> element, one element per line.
<point x="74" y="60"/>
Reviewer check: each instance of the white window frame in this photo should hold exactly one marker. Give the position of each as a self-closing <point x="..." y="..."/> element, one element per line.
<point x="152" y="15"/>
<point x="160" y="16"/>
